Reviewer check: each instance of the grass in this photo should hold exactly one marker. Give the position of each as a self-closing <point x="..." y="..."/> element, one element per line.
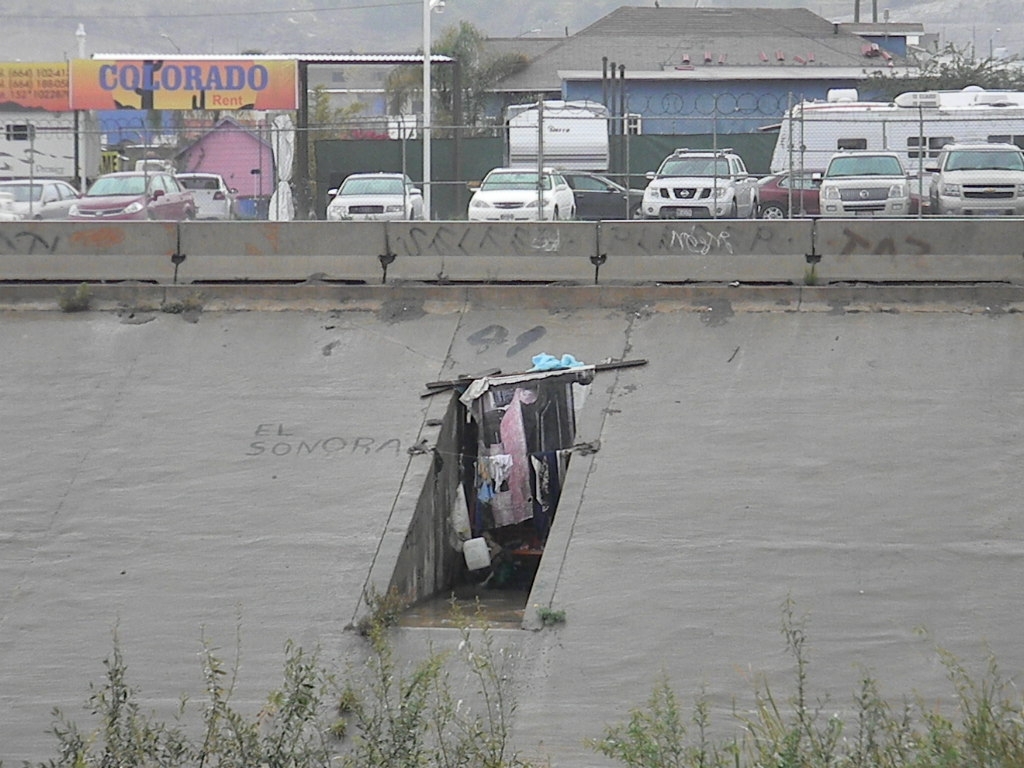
<point x="549" y="616"/>
<point x="985" y="729"/>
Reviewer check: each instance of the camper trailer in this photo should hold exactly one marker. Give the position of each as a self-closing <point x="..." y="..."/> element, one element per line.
<point x="571" y="135"/>
<point x="916" y="125"/>
<point x="46" y="145"/>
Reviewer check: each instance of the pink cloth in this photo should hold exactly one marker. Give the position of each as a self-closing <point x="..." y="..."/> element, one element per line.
<point x="515" y="505"/>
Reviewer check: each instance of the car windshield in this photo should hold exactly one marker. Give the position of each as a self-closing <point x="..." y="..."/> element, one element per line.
<point x="23" y="193"/>
<point x="365" y="186"/>
<point x="515" y="180"/>
<point x="864" y="166"/>
<point x="117" y="185"/>
<point x="694" y="166"/>
<point x="199" y="182"/>
<point x="984" y="160"/>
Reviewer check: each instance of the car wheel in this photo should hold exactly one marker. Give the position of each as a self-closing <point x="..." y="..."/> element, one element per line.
<point x="772" y="211"/>
<point x="734" y="211"/>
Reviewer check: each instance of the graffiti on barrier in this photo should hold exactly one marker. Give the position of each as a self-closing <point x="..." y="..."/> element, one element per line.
<point x="27" y="243"/>
<point x="887" y="246"/>
<point x="449" y="239"/>
<point x="276" y="441"/>
<point x="700" y="241"/>
<point x="705" y="239"/>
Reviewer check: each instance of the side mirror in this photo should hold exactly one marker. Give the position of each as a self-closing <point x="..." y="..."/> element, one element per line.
<point x="332" y="192"/>
<point x="416" y="191"/>
<point x="816" y="176"/>
<point x="473" y="186"/>
<point x="158" y="193"/>
<point x="650" y="175"/>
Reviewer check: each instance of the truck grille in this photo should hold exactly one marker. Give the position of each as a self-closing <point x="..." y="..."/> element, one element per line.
<point x="989" y="192"/>
<point x="863" y="194"/>
<point x="686" y="193"/>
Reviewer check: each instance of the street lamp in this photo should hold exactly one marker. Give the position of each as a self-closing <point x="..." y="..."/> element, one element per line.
<point x="428" y="6"/>
<point x="80" y="34"/>
<point x="167" y="37"/>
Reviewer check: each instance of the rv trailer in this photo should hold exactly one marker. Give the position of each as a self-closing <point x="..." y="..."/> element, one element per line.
<point x="571" y="135"/>
<point x="47" y="145"/>
<point x="916" y="125"/>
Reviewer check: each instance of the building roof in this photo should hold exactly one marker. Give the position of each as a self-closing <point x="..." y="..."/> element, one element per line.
<point x="686" y="39"/>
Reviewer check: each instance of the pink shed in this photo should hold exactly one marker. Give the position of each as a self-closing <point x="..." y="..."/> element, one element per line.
<point x="241" y="156"/>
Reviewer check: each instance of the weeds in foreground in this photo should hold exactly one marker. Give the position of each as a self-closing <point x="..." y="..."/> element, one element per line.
<point x="455" y="709"/>
<point x="549" y="616"/>
<point x="75" y="300"/>
<point x="452" y="709"/>
<point x="797" y="732"/>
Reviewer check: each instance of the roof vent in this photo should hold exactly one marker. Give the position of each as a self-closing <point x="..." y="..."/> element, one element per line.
<point x="841" y="95"/>
<point x="915" y="99"/>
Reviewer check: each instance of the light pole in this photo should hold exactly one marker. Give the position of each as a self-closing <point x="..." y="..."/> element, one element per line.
<point x="428" y="6"/>
<point x="167" y="37"/>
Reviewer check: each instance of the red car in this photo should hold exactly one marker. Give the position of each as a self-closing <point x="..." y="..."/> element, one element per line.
<point x="776" y="194"/>
<point x="133" y="196"/>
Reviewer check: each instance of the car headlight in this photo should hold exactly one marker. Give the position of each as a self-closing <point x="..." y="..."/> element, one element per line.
<point x="898" y="190"/>
<point x="830" y="193"/>
<point x="722" y="192"/>
<point x="951" y="190"/>
<point x="650" y="193"/>
<point x="475" y="203"/>
<point x="533" y="203"/>
<point x="135" y="207"/>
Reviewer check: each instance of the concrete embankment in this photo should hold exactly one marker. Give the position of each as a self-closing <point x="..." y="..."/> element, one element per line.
<point x="186" y="460"/>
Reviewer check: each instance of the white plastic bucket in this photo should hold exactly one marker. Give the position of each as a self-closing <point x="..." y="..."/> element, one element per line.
<point x="477" y="554"/>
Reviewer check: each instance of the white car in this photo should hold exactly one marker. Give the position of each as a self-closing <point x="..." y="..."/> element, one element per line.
<point x="35" y="199"/>
<point x="7" y="207"/>
<point x="214" y="199"/>
<point x="513" y="194"/>
<point x="375" y="197"/>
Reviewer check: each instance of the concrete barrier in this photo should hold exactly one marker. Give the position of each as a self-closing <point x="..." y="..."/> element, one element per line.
<point x="484" y="251"/>
<point x="292" y="251"/>
<point x="715" y="250"/>
<point x="967" y="249"/>
<point x="87" y="251"/>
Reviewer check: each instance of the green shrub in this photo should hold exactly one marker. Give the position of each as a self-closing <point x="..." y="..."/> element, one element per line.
<point x="75" y="300"/>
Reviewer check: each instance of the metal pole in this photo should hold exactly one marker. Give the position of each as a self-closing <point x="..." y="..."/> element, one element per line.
<point x="427" y="213"/>
<point x="540" y="159"/>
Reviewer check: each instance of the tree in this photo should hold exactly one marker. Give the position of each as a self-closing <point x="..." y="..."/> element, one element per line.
<point x="951" y="69"/>
<point x="479" y="73"/>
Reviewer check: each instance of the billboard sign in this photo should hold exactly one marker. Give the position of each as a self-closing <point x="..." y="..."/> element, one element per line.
<point x="184" y="84"/>
<point x="34" y="85"/>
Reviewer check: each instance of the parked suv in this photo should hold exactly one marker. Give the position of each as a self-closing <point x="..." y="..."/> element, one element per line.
<point x="979" y="180"/>
<point x="864" y="183"/>
<point x="701" y="184"/>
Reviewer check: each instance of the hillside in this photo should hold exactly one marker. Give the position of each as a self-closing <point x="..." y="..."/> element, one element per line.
<point x="45" y="29"/>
